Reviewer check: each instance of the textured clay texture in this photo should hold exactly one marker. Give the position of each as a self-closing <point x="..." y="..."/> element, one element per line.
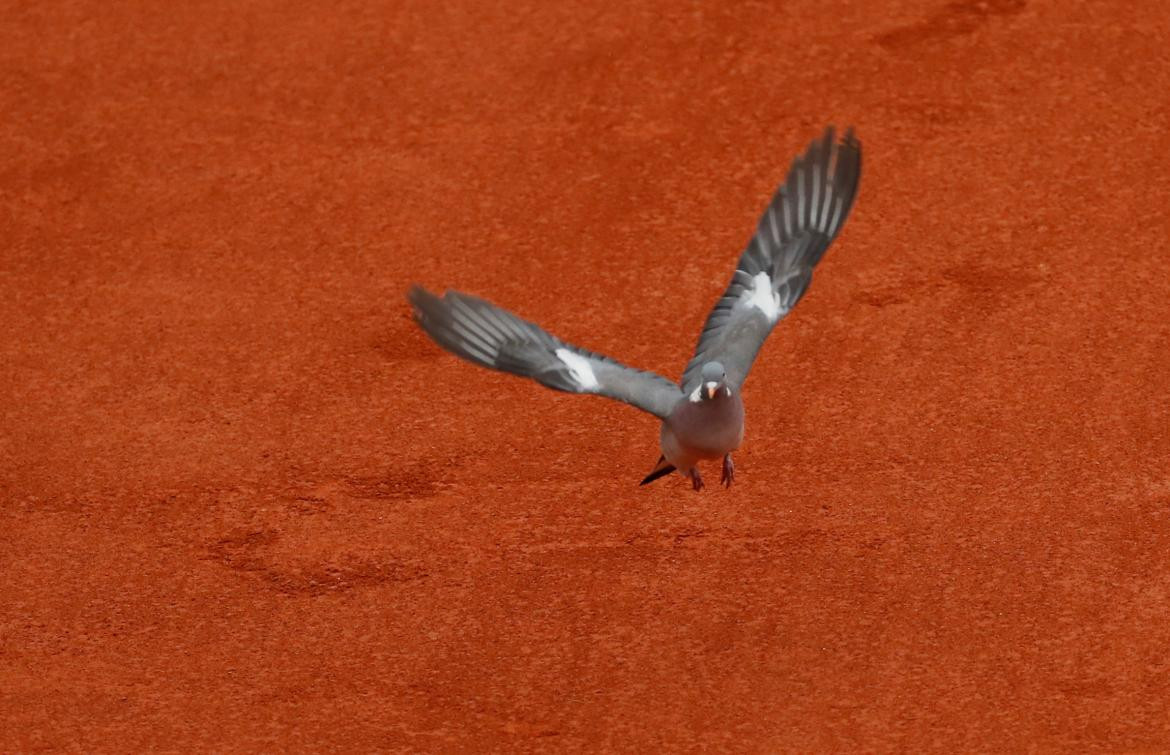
<point x="245" y="505"/>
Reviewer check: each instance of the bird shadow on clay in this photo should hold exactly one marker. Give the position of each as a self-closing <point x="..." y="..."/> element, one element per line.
<point x="249" y="552"/>
<point x="413" y="481"/>
<point x="954" y="19"/>
<point x="991" y="286"/>
<point x="252" y="550"/>
<point x="985" y="287"/>
<point x="902" y="291"/>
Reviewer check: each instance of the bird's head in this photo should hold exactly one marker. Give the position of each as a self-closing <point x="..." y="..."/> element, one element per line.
<point x="714" y="380"/>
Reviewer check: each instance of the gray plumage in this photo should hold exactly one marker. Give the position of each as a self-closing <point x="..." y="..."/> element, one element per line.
<point x="805" y="215"/>
<point x="704" y="418"/>
<point x="482" y="333"/>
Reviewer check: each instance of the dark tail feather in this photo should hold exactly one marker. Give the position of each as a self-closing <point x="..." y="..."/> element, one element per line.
<point x="661" y="469"/>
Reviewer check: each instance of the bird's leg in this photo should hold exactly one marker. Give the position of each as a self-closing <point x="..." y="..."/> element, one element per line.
<point x="696" y="480"/>
<point x="728" y="471"/>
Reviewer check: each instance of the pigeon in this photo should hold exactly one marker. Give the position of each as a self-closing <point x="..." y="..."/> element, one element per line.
<point x="703" y="415"/>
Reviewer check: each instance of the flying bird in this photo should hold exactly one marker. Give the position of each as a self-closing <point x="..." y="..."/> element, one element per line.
<point x="702" y="416"/>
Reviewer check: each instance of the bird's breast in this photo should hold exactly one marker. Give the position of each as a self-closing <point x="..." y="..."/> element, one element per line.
<point x="706" y="429"/>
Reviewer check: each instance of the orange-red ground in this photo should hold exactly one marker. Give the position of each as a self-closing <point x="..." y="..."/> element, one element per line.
<point x="246" y="505"/>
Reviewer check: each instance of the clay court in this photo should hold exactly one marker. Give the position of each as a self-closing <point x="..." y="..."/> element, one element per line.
<point x="248" y="506"/>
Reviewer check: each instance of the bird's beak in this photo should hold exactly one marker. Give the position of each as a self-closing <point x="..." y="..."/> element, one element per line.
<point x="709" y="390"/>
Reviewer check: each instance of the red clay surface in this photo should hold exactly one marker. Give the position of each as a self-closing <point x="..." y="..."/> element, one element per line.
<point x="248" y="506"/>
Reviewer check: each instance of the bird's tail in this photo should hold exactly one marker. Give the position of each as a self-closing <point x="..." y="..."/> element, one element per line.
<point x="661" y="469"/>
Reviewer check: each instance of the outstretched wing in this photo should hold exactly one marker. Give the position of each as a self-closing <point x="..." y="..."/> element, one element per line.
<point x="481" y="332"/>
<point x="805" y="215"/>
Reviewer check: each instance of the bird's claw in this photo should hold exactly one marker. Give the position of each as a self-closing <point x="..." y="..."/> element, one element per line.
<point x="728" y="471"/>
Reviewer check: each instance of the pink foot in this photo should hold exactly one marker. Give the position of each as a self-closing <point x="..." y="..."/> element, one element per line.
<point x="696" y="480"/>
<point x="728" y="471"/>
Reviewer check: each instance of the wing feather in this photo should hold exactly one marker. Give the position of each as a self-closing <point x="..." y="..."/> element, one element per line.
<point x="489" y="336"/>
<point x="805" y="215"/>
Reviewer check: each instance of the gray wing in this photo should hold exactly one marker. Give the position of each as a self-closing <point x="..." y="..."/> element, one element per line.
<point x="481" y="332"/>
<point x="804" y="216"/>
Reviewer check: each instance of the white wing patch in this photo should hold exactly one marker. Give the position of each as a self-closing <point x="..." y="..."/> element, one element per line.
<point x="763" y="298"/>
<point x="580" y="369"/>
